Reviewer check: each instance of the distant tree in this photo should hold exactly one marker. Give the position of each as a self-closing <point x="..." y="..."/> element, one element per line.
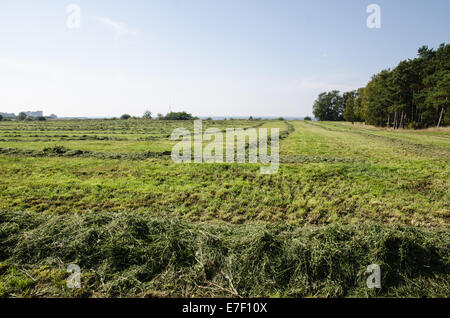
<point x="1" y="117"/>
<point x="250" y="118"/>
<point x="125" y="117"/>
<point x="439" y="96"/>
<point x="425" y="52"/>
<point x="414" y="94"/>
<point x="280" y="118"/>
<point x="349" y="112"/>
<point x="41" y="118"/>
<point x="307" y="118"/>
<point x="357" y="104"/>
<point x="378" y="94"/>
<point x="21" y="116"/>
<point x="329" y="106"/>
<point x="209" y="118"/>
<point x="438" y="92"/>
<point x="179" y="116"/>
<point x="159" y="116"/>
<point x="321" y="106"/>
<point x="147" y="115"/>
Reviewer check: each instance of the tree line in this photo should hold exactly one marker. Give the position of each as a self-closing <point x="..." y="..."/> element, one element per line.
<point x="169" y="116"/>
<point x="415" y="94"/>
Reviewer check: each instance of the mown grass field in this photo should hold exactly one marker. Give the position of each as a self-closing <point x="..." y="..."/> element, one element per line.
<point x="106" y="195"/>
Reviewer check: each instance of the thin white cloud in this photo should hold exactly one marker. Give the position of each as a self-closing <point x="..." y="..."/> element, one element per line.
<point x="118" y="29"/>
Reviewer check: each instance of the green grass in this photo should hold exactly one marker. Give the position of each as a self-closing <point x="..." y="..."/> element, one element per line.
<point x="102" y="135"/>
<point x="133" y="254"/>
<point x="345" y="196"/>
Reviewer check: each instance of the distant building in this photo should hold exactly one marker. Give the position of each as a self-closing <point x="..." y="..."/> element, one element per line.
<point x="38" y="113"/>
<point x="7" y="115"/>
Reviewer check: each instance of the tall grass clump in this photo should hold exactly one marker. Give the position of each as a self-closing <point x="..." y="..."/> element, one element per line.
<point x="136" y="255"/>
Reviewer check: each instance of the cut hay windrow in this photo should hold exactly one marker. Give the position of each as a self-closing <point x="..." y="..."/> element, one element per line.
<point x="136" y="255"/>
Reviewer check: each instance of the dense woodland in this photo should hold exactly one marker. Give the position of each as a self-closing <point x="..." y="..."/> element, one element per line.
<point x="415" y="94"/>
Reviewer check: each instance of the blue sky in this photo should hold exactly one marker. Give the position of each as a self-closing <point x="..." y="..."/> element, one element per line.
<point x="208" y="57"/>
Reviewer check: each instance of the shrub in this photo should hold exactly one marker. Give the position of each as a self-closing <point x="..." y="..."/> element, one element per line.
<point x="147" y="115"/>
<point x="415" y="125"/>
<point x="179" y="116"/>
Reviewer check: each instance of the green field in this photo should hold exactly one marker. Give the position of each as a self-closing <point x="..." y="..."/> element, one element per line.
<point x="106" y="195"/>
